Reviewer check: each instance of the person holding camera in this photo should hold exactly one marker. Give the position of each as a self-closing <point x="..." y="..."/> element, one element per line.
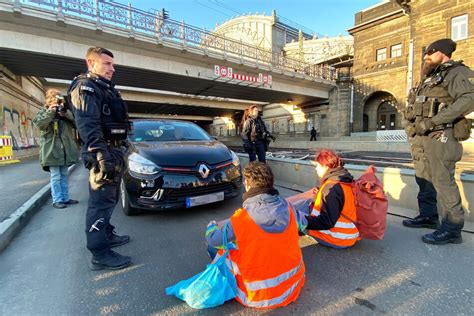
<point x="256" y="133"/>
<point x="58" y="149"/>
<point x="102" y="121"/>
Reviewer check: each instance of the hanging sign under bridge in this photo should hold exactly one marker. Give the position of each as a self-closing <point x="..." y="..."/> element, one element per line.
<point x="228" y="72"/>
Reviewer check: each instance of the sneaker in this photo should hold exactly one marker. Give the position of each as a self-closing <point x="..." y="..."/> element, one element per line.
<point x="70" y="202"/>
<point x="442" y="237"/>
<point x="421" y="221"/>
<point x="116" y="240"/>
<point x="59" y="205"/>
<point x="110" y="261"/>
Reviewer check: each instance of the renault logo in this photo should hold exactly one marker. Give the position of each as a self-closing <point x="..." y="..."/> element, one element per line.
<point x="204" y="171"/>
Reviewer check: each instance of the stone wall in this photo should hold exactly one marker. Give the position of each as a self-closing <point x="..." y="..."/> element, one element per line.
<point x="386" y="25"/>
<point x="20" y="99"/>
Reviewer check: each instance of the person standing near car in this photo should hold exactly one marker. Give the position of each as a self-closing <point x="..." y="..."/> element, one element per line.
<point x="255" y="132"/>
<point x="245" y="139"/>
<point x="58" y="150"/>
<point x="102" y="121"/>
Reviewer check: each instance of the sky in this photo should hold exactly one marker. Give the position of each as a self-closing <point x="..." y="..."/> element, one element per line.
<point x="325" y="17"/>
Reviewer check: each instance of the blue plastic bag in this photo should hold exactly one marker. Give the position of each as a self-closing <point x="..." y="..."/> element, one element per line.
<point x="210" y="288"/>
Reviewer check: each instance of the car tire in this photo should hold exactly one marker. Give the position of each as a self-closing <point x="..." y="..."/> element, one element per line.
<point x="125" y="201"/>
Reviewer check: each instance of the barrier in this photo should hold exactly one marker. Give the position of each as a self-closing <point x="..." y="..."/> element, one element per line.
<point x="6" y="150"/>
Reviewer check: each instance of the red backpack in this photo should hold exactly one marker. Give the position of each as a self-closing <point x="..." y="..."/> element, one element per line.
<point x="371" y="205"/>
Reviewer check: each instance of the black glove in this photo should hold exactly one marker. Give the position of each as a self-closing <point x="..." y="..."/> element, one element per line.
<point x="424" y="126"/>
<point x="89" y="160"/>
<point x="106" y="170"/>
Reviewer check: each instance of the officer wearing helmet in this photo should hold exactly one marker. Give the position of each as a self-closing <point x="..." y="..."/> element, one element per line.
<point x="102" y="121"/>
<point x="440" y="102"/>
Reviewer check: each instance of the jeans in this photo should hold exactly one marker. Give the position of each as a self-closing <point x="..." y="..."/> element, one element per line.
<point x="59" y="184"/>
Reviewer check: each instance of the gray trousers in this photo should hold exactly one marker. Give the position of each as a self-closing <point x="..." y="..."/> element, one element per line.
<point x="439" y="169"/>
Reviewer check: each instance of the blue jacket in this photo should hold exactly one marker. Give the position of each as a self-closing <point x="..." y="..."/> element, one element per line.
<point x="268" y="210"/>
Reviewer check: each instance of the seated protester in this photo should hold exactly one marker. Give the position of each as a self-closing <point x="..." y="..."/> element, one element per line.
<point x="266" y="259"/>
<point x="331" y="220"/>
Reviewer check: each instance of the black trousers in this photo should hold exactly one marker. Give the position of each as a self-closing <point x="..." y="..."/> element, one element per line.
<point x="257" y="149"/>
<point x="313" y="137"/>
<point x="442" y="152"/>
<point x="103" y="198"/>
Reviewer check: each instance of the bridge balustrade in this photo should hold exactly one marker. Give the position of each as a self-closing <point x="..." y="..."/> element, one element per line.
<point x="150" y="24"/>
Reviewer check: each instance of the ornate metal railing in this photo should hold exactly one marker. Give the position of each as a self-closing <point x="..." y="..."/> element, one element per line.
<point x="150" y="24"/>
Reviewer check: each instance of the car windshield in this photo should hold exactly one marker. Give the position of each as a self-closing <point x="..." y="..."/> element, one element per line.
<point x="159" y="131"/>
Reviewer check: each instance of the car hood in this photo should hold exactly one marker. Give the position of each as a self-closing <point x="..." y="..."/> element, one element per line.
<point x="183" y="153"/>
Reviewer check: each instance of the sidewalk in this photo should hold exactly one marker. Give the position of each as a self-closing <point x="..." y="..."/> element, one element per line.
<point x="24" y="188"/>
<point x="18" y="182"/>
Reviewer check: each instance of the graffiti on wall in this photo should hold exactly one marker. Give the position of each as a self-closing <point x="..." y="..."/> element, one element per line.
<point x="19" y="127"/>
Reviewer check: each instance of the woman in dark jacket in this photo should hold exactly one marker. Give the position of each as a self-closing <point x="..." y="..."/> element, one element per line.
<point x="255" y="131"/>
<point x="332" y="218"/>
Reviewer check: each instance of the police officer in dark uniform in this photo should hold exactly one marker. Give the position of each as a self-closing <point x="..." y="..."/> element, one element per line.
<point x="441" y="101"/>
<point x="102" y="121"/>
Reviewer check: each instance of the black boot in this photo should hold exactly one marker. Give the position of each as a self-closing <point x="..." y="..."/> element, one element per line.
<point x="442" y="237"/>
<point x="110" y="261"/>
<point x="116" y="240"/>
<point x="421" y="221"/>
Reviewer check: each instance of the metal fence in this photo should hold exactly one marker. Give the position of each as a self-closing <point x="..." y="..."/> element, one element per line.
<point x="150" y="24"/>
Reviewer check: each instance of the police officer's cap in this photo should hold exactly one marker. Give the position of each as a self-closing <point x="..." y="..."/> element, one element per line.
<point x="446" y="45"/>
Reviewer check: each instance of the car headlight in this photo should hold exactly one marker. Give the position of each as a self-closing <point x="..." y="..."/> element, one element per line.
<point x="141" y="165"/>
<point x="235" y="159"/>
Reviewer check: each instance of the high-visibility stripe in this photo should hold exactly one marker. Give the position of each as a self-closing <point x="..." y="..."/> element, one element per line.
<point x="270" y="302"/>
<point x="340" y="223"/>
<point x="339" y="235"/>
<point x="268" y="283"/>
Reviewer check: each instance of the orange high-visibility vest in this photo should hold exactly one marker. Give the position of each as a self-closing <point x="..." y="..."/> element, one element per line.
<point x="345" y="232"/>
<point x="268" y="267"/>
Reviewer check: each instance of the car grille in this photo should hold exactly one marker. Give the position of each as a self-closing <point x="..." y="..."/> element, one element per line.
<point x="189" y="192"/>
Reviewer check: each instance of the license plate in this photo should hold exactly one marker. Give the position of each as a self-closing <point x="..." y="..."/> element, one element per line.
<point x="204" y="199"/>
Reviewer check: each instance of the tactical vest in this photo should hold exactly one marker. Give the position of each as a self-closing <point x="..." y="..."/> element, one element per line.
<point x="431" y="95"/>
<point x="114" y="111"/>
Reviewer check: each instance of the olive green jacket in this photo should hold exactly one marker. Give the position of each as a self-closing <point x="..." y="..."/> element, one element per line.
<point x="57" y="141"/>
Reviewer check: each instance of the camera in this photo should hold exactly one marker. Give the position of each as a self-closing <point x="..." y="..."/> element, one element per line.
<point x="60" y="102"/>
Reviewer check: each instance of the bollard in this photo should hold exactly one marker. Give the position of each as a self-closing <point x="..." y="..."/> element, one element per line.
<point x="6" y="150"/>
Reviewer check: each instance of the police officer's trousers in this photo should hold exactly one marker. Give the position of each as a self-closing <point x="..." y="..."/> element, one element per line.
<point x="426" y="193"/>
<point x="442" y="152"/>
<point x="103" y="198"/>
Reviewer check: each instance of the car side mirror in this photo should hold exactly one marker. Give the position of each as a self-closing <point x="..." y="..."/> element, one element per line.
<point x="214" y="137"/>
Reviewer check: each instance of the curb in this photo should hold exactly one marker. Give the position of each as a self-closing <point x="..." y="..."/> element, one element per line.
<point x="11" y="226"/>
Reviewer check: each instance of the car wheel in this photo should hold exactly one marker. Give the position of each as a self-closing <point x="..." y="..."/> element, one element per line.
<point x="127" y="208"/>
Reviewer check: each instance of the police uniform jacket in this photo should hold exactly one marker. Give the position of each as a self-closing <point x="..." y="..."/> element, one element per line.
<point x="101" y="116"/>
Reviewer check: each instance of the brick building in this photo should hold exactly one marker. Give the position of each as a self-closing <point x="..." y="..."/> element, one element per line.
<point x="389" y="41"/>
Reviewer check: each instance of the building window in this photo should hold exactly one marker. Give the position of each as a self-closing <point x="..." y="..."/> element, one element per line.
<point x="381" y="54"/>
<point x="459" y="28"/>
<point x="396" y="51"/>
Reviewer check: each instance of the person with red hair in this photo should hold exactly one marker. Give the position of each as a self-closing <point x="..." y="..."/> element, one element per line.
<point x="332" y="218"/>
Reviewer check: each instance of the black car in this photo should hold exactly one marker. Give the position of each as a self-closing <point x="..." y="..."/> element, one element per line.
<point x="176" y="164"/>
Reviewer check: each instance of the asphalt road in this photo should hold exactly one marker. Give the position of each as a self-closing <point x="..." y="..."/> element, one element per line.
<point x="18" y="182"/>
<point x="45" y="270"/>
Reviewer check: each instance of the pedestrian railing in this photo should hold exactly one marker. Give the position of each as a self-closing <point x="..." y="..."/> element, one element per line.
<point x="392" y="136"/>
<point x="153" y="24"/>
